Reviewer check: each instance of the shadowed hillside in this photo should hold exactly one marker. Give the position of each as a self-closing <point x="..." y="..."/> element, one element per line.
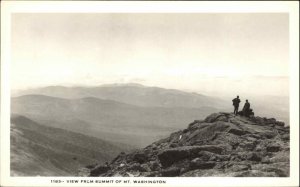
<point x="46" y="151"/>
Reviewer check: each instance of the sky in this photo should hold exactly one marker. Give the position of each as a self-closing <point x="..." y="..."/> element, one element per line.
<point x="208" y="53"/>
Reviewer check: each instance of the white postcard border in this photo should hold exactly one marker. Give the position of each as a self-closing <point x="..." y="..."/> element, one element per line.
<point x="9" y="7"/>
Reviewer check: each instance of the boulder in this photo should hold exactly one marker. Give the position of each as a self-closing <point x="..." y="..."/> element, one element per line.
<point x="197" y="163"/>
<point x="169" y="156"/>
<point x="99" y="170"/>
<point x="253" y="156"/>
<point x="255" y="173"/>
<point x="236" y="131"/>
<point x="281" y="156"/>
<point x="172" y="145"/>
<point x="267" y="134"/>
<point x="135" y="167"/>
<point x="246" y="146"/>
<point x="152" y="174"/>
<point x="170" y="172"/>
<point x="154" y="165"/>
<point x="140" y="157"/>
<point x="281" y="170"/>
<point x="239" y="167"/>
<point x="286" y="137"/>
<point x="273" y="148"/>
<point x="146" y="167"/>
<point x="222" y="158"/>
<point x="205" y="155"/>
<point x="198" y="126"/>
<point x="211" y="148"/>
<point x="202" y="136"/>
<point x="193" y="123"/>
<point x="266" y="160"/>
<point x="270" y="121"/>
<point x="132" y="174"/>
<point x="216" y="117"/>
<point x="205" y="173"/>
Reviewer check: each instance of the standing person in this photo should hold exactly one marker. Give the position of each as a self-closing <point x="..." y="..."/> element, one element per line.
<point x="246" y="108"/>
<point x="236" y="102"/>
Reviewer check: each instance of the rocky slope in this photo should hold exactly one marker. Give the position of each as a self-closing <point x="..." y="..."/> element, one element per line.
<point x="220" y="145"/>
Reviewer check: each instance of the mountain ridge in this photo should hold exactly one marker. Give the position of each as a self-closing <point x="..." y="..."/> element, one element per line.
<point x="106" y="118"/>
<point x="145" y="96"/>
<point x="131" y="94"/>
<point x="221" y="145"/>
<point x="40" y="96"/>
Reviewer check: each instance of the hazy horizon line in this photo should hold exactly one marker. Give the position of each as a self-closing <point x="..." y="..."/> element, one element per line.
<point x="134" y="84"/>
<point x="145" y="84"/>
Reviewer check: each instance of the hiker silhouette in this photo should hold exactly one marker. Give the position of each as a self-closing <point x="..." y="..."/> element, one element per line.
<point x="247" y="111"/>
<point x="236" y="102"/>
<point x="246" y="108"/>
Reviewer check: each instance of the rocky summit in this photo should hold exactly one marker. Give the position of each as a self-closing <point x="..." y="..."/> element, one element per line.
<point x="222" y="145"/>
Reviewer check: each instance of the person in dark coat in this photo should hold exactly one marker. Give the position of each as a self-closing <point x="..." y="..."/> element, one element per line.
<point x="236" y="102"/>
<point x="246" y="109"/>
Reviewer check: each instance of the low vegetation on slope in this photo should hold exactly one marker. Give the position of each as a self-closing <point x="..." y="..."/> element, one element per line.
<point x="46" y="151"/>
<point x="220" y="145"/>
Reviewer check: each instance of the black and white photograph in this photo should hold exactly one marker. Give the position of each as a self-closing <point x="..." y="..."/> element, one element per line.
<point x="149" y="96"/>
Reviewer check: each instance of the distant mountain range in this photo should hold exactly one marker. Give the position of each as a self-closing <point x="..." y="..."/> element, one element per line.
<point x="46" y="151"/>
<point x="134" y="94"/>
<point x="130" y="113"/>
<point x="107" y="119"/>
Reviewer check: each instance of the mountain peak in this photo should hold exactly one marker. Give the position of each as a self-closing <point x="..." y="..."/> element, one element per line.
<point x="220" y="145"/>
<point x="123" y="84"/>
